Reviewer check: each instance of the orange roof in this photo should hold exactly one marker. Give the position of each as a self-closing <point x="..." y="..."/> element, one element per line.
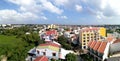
<point x="117" y="41"/>
<point x="93" y="44"/>
<point x="51" y="32"/>
<point x="50" y="44"/>
<point x="102" y="47"/>
<point x="89" y="43"/>
<point x="97" y="45"/>
<point x="41" y="58"/>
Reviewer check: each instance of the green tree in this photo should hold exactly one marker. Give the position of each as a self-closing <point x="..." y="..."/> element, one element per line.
<point x="63" y="41"/>
<point x="71" y="57"/>
<point x="109" y="31"/>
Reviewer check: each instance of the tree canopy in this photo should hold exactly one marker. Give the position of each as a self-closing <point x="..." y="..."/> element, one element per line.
<point x="63" y="41"/>
<point x="71" y="57"/>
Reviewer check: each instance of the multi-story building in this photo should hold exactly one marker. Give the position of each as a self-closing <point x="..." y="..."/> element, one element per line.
<point x="91" y="33"/>
<point x="104" y="50"/>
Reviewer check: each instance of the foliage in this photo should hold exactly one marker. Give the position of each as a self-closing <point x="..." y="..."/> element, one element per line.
<point x="71" y="57"/>
<point x="109" y="31"/>
<point x="86" y="57"/>
<point x="14" y="43"/>
<point x="32" y="38"/>
<point x="117" y="30"/>
<point x="63" y="41"/>
<point x="13" y="48"/>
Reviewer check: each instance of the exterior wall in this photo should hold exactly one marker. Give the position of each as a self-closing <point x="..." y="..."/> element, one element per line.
<point x="102" y="31"/>
<point x="85" y="37"/>
<point x="106" y="52"/>
<point x="49" y="53"/>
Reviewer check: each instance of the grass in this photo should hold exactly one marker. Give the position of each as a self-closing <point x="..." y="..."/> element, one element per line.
<point x="9" y="40"/>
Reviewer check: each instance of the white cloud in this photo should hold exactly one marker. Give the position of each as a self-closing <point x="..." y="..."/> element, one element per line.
<point x="43" y="18"/>
<point x="103" y="8"/>
<point x="12" y="16"/>
<point x="62" y="17"/>
<point x="61" y="2"/>
<point x="78" y="8"/>
<point x="37" y="6"/>
<point x="50" y="7"/>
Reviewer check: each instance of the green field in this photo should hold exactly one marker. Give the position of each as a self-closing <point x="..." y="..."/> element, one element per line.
<point x="9" y="40"/>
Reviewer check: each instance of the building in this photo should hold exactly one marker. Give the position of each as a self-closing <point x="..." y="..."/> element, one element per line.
<point x="89" y="34"/>
<point x="53" y="34"/>
<point x="52" y="26"/>
<point x="41" y="58"/>
<point x="102" y="31"/>
<point x="50" y="50"/>
<point x="104" y="50"/>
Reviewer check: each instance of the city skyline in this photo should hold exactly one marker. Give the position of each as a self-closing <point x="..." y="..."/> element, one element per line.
<point x="80" y="12"/>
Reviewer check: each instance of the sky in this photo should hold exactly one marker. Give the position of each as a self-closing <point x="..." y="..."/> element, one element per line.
<point x="80" y="12"/>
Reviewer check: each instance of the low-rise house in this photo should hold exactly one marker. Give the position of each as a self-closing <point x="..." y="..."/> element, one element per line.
<point x="41" y="58"/>
<point x="50" y="50"/>
<point x="53" y="34"/>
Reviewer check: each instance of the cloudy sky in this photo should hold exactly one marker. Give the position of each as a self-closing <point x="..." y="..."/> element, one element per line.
<point x="60" y="12"/>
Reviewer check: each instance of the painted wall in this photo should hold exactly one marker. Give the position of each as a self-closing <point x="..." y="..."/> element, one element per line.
<point x="49" y="53"/>
<point x="102" y="31"/>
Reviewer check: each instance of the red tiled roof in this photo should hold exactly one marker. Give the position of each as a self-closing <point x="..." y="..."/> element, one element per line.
<point x="41" y="58"/>
<point x="89" y="43"/>
<point x="93" y="44"/>
<point x="117" y="41"/>
<point x="102" y="47"/>
<point x="50" y="44"/>
<point x="97" y="45"/>
<point x="51" y="32"/>
<point x="90" y="29"/>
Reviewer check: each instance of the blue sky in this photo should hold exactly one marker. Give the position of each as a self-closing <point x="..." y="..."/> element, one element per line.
<point x="60" y="12"/>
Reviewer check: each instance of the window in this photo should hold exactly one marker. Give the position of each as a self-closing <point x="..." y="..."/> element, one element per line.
<point x="44" y="53"/>
<point x="83" y="34"/>
<point x="84" y="47"/>
<point x="87" y="40"/>
<point x="87" y="34"/>
<point x="91" y="34"/>
<point x="83" y="40"/>
<point x="54" y="54"/>
<point x="84" y="44"/>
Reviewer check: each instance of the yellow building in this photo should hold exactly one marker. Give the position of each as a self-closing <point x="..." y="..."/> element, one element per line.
<point x="102" y="31"/>
<point x="89" y="34"/>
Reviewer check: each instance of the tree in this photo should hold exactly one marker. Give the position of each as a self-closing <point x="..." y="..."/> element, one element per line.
<point x="32" y="38"/>
<point x="117" y="30"/>
<point x="71" y="57"/>
<point x="63" y="41"/>
<point x="109" y="31"/>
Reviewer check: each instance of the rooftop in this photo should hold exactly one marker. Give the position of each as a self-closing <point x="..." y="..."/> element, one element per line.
<point x="41" y="58"/>
<point x="97" y="45"/>
<point x="102" y="47"/>
<point x="93" y="44"/>
<point x="50" y="32"/>
<point x="50" y="44"/>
